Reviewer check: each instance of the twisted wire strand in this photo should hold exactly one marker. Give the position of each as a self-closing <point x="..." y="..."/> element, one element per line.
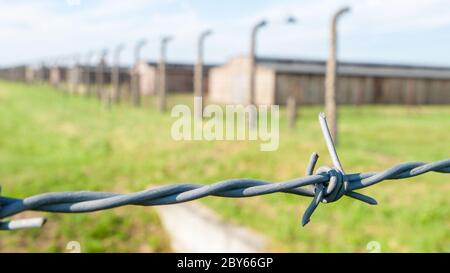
<point x="86" y="201"/>
<point x="327" y="185"/>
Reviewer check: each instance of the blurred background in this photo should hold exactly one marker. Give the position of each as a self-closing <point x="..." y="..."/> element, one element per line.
<point x="87" y="86"/>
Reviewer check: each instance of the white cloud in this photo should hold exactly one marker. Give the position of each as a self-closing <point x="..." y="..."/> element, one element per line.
<point x="35" y="29"/>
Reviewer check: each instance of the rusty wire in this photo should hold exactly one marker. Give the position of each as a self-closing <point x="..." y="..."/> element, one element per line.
<point x="327" y="185"/>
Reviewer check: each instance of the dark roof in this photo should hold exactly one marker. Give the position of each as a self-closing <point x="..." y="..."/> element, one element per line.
<point x="122" y="69"/>
<point x="182" y="65"/>
<point x="356" y="69"/>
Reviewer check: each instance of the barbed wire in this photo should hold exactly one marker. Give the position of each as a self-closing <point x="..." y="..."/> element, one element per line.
<point x="327" y="185"/>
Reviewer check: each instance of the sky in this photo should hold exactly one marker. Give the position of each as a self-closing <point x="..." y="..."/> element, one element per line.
<point x="380" y="31"/>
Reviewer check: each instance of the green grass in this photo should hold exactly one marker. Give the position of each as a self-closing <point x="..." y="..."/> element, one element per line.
<point x="55" y="142"/>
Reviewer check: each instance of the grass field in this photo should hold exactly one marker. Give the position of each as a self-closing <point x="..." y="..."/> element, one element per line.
<point x="55" y="142"/>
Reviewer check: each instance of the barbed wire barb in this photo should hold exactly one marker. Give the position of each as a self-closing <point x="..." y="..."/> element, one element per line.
<point x="327" y="185"/>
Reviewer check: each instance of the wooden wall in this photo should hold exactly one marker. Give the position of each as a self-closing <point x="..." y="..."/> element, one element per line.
<point x="309" y="89"/>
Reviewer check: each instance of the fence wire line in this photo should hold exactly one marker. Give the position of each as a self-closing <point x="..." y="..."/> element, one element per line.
<point x="327" y="185"/>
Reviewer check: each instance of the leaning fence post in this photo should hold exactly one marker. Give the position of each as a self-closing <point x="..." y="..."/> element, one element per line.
<point x="291" y="106"/>
<point x="330" y="80"/>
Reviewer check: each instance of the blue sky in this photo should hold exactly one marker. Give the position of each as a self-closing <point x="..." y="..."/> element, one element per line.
<point x="396" y="31"/>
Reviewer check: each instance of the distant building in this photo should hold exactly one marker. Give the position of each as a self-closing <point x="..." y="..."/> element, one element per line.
<point x="180" y="77"/>
<point x="23" y="73"/>
<point x="85" y="74"/>
<point x="358" y="83"/>
<point x="30" y="74"/>
<point x="16" y="73"/>
<point x="58" y="74"/>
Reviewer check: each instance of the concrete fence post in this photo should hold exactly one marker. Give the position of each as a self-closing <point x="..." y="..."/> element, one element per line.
<point x="330" y="80"/>
<point x="135" y="80"/>
<point x="87" y="74"/>
<point x="199" y="73"/>
<point x="162" y="73"/>
<point x="252" y="73"/>
<point x="100" y="76"/>
<point x="42" y="73"/>
<point x="76" y="73"/>
<point x="115" y="74"/>
<point x="55" y="74"/>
